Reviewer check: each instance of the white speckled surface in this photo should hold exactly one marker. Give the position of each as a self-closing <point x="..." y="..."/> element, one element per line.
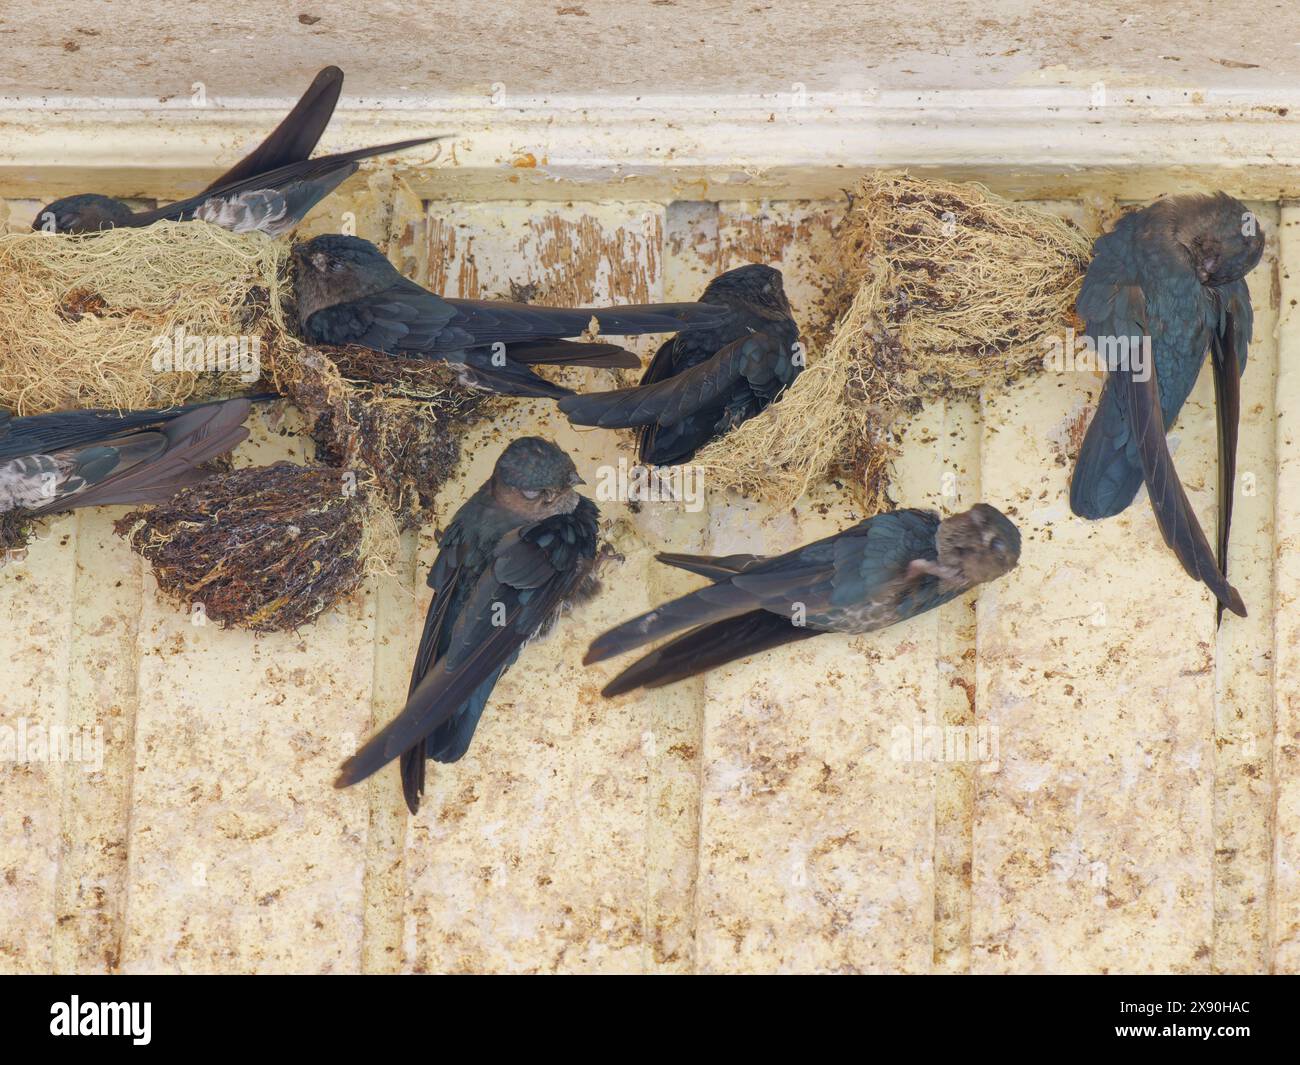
<point x="1138" y="811"/>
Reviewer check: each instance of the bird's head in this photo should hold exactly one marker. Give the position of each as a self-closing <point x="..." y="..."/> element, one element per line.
<point x="755" y="284"/>
<point x="86" y="213"/>
<point x="1223" y="239"/>
<point x="980" y="544"/>
<point x="334" y="268"/>
<point x="536" y="479"/>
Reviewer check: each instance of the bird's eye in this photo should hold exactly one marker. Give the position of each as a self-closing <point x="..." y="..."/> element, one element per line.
<point x="336" y="266"/>
<point x="529" y="493"/>
<point x="997" y="543"/>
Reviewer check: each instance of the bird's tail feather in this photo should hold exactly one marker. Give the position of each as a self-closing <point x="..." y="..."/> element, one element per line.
<point x="412" y="766"/>
<point x="706" y="648"/>
<point x="635" y="319"/>
<point x="715" y="602"/>
<point x="572" y="353"/>
<point x="714" y="567"/>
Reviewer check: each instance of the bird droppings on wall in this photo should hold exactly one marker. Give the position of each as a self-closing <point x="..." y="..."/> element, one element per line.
<point x="790" y="813"/>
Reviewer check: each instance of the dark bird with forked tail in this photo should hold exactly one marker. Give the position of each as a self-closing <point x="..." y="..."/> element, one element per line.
<point x="269" y="190"/>
<point x="883" y="570"/>
<point x="349" y="293"/>
<point x="705" y="382"/>
<point x="56" y="462"/>
<point x="1171" y="275"/>
<point x="519" y="551"/>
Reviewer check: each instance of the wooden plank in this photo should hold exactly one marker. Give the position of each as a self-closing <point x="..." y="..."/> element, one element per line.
<point x="531" y="853"/>
<point x="96" y="807"/>
<point x="1094" y="841"/>
<point x="36" y="597"/>
<point x="817" y="844"/>
<point x="243" y="857"/>
<point x="1243" y="708"/>
<point x="1285" y="901"/>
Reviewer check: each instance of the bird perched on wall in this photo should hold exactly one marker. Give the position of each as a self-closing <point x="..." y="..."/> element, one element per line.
<point x="519" y="551"/>
<point x="1174" y="272"/>
<point x="56" y="462"/>
<point x="883" y="570"/>
<point x="703" y="383"/>
<point x="349" y="293"/>
<point x="269" y="190"/>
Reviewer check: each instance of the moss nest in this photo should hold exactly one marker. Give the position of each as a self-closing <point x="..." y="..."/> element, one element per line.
<point x="137" y="318"/>
<point x="939" y="289"/>
<point x="93" y="321"/>
<point x="400" y="419"/>
<point x="266" y="548"/>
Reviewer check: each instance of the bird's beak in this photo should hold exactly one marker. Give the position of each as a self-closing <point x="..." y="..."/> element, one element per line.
<point x="575" y="479"/>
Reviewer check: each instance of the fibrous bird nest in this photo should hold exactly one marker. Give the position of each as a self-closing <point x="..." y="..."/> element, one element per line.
<point x="402" y="419"/>
<point x="266" y="548"/>
<point x="944" y="288"/>
<point x="137" y="318"/>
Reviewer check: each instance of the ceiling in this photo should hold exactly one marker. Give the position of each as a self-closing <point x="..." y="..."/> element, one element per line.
<point x="270" y="49"/>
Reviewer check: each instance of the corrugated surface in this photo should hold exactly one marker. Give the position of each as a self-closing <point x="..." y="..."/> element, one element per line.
<point x="1135" y="811"/>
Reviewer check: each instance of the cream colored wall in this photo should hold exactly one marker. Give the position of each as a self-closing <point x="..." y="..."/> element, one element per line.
<point x="1142" y="812"/>
<point x="1140" y="815"/>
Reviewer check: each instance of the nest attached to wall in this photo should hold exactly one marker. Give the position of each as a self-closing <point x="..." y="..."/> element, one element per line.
<point x="942" y="289"/>
<point x="401" y="419"/>
<point x="88" y="321"/>
<point x="122" y="320"/>
<point x="265" y="548"/>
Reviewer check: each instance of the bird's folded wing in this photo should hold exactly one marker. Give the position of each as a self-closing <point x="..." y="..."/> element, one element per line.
<point x="533" y="571"/>
<point x="490" y="321"/>
<point x="781" y="584"/>
<point x="192" y="439"/>
<point x="753" y="359"/>
<point x="295" y="138"/>
<point x="300" y="184"/>
<point x="48" y="433"/>
<point x="445" y="578"/>
<point x="1228" y="347"/>
<point x="1139" y="401"/>
<point x="403" y="317"/>
<point x="573" y="353"/>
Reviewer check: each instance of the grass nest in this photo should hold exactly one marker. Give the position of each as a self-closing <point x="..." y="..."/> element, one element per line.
<point x="136" y="318"/>
<point x="265" y="548"/>
<point x="92" y="321"/>
<point x="939" y="289"/>
<point x="401" y="419"/>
